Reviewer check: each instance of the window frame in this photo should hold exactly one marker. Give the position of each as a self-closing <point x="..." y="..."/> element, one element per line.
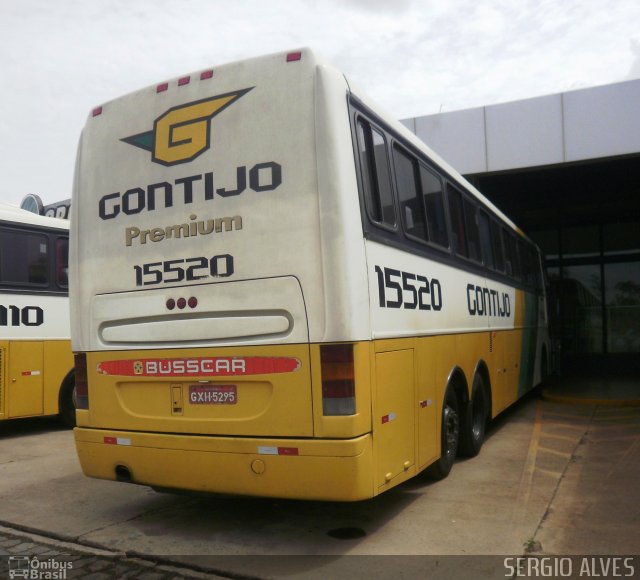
<point x="51" y="234"/>
<point x="397" y="236"/>
<point x="359" y="118"/>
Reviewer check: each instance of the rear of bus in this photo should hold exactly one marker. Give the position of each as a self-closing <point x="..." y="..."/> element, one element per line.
<point x="219" y="291"/>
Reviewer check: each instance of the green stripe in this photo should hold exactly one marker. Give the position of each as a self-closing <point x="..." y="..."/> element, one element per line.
<point x="529" y="342"/>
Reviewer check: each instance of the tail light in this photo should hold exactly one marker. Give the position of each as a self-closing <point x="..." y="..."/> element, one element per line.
<point x="82" y="385"/>
<point x="338" y="385"/>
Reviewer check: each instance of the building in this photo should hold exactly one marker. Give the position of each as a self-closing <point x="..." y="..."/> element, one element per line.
<point x="566" y="168"/>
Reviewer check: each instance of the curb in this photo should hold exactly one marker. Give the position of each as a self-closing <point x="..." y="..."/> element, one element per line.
<point x="577" y="400"/>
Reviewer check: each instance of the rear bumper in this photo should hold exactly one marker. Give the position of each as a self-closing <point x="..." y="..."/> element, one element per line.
<point x="334" y="470"/>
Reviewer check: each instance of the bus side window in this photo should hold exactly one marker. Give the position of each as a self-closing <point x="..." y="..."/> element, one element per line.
<point x="507" y="252"/>
<point x="434" y="206"/>
<point x="372" y="149"/>
<point x="24" y="258"/>
<point x="62" y="262"/>
<point x="525" y="262"/>
<point x="457" y="222"/>
<point x="471" y="228"/>
<point x="538" y="270"/>
<point x="485" y="239"/>
<point x="532" y="266"/>
<point x="410" y="202"/>
<point x="513" y="257"/>
<point x="496" y="243"/>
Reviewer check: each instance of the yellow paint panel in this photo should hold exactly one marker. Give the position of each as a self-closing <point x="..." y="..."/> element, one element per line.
<point x="328" y="470"/>
<point x="4" y="349"/>
<point x="394" y="418"/>
<point x="273" y="404"/>
<point x="25" y="392"/>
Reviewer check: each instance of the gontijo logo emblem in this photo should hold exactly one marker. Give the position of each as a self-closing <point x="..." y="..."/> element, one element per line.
<point x="183" y="132"/>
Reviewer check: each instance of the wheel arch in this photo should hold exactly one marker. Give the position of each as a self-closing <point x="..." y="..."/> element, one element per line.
<point x="67" y="383"/>
<point x="458" y="382"/>
<point x="482" y="369"/>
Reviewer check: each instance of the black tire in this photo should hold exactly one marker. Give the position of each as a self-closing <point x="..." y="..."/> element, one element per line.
<point x="475" y="420"/>
<point x="67" y="407"/>
<point x="449" y="437"/>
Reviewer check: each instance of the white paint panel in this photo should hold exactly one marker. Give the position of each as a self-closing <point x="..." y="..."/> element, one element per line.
<point x="269" y="310"/>
<point x="198" y="329"/>
<point x="54" y="315"/>
<point x="458" y="137"/>
<point x="524" y="133"/>
<point x="461" y="293"/>
<point x="602" y="121"/>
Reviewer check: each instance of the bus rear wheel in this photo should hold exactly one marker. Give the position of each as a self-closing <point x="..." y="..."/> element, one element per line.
<point x="449" y="437"/>
<point x="475" y="420"/>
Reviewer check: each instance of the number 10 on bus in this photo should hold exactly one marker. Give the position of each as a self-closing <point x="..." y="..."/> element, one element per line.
<point x="188" y="269"/>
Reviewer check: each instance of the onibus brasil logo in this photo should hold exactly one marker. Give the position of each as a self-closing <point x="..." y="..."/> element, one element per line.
<point x="182" y="133"/>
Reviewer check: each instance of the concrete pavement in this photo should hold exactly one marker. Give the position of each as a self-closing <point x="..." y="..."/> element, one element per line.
<point x="552" y="478"/>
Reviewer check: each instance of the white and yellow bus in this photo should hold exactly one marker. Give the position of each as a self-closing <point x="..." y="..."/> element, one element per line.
<point x="36" y="362"/>
<point x="278" y="290"/>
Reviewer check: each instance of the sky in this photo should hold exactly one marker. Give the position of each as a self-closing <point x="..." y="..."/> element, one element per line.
<point x="61" y="58"/>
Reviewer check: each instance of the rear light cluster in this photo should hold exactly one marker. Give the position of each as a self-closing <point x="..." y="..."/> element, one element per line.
<point x="338" y="384"/>
<point x="182" y="81"/>
<point x="204" y="75"/>
<point x="181" y="303"/>
<point x="82" y="385"/>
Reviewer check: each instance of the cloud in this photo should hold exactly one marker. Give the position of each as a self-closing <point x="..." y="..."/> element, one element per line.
<point x="62" y="58"/>
<point x="634" y="71"/>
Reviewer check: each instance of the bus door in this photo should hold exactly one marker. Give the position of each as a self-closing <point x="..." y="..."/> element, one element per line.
<point x="25" y="381"/>
<point x="394" y="423"/>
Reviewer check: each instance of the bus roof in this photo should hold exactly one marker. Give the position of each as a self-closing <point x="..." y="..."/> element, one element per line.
<point x="12" y="213"/>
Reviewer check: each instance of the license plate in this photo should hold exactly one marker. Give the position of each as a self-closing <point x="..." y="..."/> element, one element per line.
<point x="213" y="394"/>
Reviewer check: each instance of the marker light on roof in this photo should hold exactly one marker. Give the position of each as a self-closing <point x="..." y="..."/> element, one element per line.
<point x="183" y="81"/>
<point x="162" y="87"/>
<point x="293" y="56"/>
<point x="97" y="111"/>
<point x="206" y="75"/>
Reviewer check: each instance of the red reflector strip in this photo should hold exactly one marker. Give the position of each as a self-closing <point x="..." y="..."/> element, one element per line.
<point x="389" y="417"/>
<point x="293" y="56"/>
<point x="184" y="81"/>
<point x="278" y="451"/>
<point x="206" y="75"/>
<point x="162" y="87"/>
<point x="97" y="111"/>
<point x="30" y="373"/>
<point x="287" y="451"/>
<point x="117" y="441"/>
<point x="199" y="366"/>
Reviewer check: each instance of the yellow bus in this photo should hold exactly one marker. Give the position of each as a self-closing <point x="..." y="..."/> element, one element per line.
<point x="278" y="290"/>
<point x="36" y="362"/>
